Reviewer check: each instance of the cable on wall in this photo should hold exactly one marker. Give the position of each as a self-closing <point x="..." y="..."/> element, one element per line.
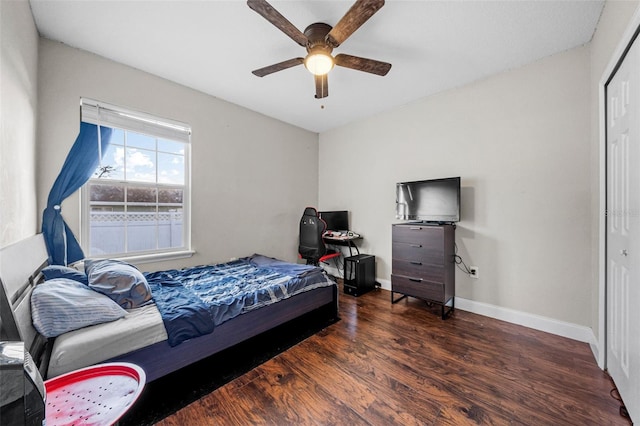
<point x="458" y="261"/>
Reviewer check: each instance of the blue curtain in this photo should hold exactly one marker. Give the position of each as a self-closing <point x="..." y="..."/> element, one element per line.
<point x="80" y="164"/>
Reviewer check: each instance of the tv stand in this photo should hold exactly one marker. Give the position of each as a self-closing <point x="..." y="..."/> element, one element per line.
<point x="423" y="263"/>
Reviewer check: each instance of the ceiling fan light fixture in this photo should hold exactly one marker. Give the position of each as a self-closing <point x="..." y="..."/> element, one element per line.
<point x="319" y="62"/>
<point x="320" y="39"/>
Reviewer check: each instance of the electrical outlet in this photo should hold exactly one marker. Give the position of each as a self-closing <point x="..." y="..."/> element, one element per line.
<point x="474" y="272"/>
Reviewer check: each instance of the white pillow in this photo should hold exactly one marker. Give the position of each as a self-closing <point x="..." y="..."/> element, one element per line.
<point x="60" y="305"/>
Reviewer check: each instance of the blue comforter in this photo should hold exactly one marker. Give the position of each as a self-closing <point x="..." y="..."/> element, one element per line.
<point x="193" y="301"/>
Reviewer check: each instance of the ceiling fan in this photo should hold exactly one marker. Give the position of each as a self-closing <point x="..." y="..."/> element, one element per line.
<point x="320" y="39"/>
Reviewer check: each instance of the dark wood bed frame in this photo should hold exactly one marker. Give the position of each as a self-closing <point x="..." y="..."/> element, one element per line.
<point x="20" y="266"/>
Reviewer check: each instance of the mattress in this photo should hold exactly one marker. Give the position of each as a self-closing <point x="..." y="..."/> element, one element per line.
<point x="193" y="301"/>
<point x="90" y="345"/>
<point x="188" y="303"/>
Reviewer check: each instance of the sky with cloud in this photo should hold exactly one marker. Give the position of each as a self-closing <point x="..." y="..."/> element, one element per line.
<point x="141" y="158"/>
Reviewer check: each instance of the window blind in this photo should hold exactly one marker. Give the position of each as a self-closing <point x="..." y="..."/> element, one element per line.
<point x="104" y="114"/>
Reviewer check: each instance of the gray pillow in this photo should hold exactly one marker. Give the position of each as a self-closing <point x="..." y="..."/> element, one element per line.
<point x="60" y="305"/>
<point x="122" y="282"/>
<point x="58" y="271"/>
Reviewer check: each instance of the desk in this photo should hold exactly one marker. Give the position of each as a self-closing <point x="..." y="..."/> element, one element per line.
<point x="344" y="241"/>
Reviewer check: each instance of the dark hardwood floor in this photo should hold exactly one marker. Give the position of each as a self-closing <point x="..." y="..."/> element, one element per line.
<point x="386" y="364"/>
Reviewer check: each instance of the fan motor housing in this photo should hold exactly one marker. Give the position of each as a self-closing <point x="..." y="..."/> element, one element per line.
<point x="316" y="35"/>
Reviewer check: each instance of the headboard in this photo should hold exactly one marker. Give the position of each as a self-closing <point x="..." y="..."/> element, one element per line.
<point x="20" y="266"/>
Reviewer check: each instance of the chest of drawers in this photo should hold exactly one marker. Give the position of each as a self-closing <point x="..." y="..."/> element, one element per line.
<point x="423" y="263"/>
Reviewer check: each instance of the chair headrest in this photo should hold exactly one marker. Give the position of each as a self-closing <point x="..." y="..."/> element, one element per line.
<point x="310" y="211"/>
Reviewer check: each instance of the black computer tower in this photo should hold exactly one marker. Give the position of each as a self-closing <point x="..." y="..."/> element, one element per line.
<point x="359" y="274"/>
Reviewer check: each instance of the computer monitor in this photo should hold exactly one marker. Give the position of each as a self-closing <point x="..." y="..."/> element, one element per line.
<point x="336" y="220"/>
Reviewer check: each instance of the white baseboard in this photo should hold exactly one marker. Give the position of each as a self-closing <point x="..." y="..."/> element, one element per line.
<point x="384" y="284"/>
<point x="549" y="325"/>
<point x="595" y="349"/>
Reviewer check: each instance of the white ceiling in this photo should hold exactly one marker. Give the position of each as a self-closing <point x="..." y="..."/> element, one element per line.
<point x="212" y="46"/>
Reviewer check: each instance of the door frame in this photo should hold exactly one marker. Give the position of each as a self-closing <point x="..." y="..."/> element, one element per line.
<point x="630" y="34"/>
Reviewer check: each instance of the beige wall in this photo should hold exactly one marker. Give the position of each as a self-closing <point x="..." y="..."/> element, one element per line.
<point x="613" y="23"/>
<point x="520" y="142"/>
<point x="252" y="176"/>
<point x="525" y="143"/>
<point x="18" y="104"/>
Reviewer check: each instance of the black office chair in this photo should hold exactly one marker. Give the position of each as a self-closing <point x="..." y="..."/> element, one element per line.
<point x="311" y="246"/>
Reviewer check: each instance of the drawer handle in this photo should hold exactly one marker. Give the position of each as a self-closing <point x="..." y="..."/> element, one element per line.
<point x="416" y="280"/>
<point x="415" y="228"/>
<point x="416" y="263"/>
<point x="415" y="245"/>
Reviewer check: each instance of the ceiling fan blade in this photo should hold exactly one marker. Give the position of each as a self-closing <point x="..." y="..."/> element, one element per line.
<point x="270" y="14"/>
<point x="322" y="86"/>
<point x="362" y="64"/>
<point x="359" y="13"/>
<point x="278" y="67"/>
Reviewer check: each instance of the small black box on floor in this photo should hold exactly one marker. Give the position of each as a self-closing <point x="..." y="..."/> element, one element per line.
<point x="359" y="274"/>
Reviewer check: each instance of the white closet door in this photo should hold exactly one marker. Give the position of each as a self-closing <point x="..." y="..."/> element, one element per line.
<point x="623" y="230"/>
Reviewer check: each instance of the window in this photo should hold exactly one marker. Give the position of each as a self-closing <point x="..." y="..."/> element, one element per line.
<point x="137" y="201"/>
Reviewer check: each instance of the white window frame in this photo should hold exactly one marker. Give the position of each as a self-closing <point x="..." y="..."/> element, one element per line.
<point x="104" y="114"/>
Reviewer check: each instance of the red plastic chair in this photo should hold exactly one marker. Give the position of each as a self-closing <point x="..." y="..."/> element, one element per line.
<point x="98" y="395"/>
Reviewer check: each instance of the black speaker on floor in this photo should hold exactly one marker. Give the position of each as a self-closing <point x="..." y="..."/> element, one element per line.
<point x="359" y="274"/>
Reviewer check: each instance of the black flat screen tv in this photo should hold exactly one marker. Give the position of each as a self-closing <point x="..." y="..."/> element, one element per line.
<point x="434" y="200"/>
<point x="336" y="220"/>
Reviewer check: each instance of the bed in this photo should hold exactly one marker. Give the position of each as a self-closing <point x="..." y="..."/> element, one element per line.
<point x="143" y="336"/>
